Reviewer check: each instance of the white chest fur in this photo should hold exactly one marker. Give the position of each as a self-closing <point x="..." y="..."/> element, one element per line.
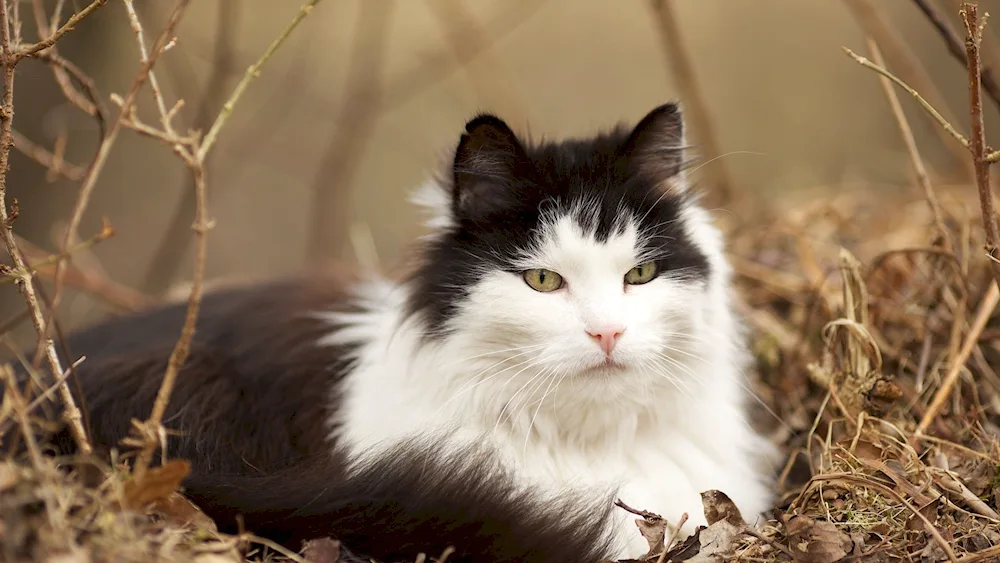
<point x="658" y="445"/>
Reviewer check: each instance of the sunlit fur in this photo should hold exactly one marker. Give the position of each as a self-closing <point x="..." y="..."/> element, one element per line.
<point x="514" y="368"/>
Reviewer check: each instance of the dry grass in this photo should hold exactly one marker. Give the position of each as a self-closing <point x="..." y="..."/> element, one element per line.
<point x="875" y="336"/>
<point x="847" y="389"/>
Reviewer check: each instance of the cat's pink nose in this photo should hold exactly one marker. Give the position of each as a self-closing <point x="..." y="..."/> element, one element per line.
<point x="606" y="336"/>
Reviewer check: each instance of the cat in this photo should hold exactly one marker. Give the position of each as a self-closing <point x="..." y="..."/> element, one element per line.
<point x="564" y="337"/>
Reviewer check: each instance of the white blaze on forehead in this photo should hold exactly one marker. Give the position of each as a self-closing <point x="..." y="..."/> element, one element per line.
<point x="579" y="256"/>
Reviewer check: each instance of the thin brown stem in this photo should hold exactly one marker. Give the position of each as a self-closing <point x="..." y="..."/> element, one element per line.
<point x="194" y="154"/>
<point x="90" y="100"/>
<point x="679" y="61"/>
<point x="910" y="142"/>
<point x="57" y="34"/>
<point x="104" y="151"/>
<point x="871" y="17"/>
<point x="974" y="37"/>
<point x="46" y="158"/>
<point x="176" y="238"/>
<point x="8" y="60"/>
<point x="955" y="46"/>
<point x="986" y="308"/>
<point x="944" y="123"/>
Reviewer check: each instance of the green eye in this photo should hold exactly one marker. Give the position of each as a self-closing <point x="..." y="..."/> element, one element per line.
<point x="543" y="280"/>
<point x="641" y="274"/>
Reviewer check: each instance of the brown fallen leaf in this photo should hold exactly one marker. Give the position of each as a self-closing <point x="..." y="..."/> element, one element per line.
<point x="930" y="511"/>
<point x="686" y="549"/>
<point x="716" y="543"/>
<point x="813" y="541"/>
<point x="654" y="530"/>
<point x="718" y="506"/>
<point x="156" y="484"/>
<point x="178" y="509"/>
<point x="652" y="526"/>
<point x="321" y="550"/>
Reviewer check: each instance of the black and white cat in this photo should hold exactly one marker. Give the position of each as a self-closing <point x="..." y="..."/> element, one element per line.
<point x="566" y="337"/>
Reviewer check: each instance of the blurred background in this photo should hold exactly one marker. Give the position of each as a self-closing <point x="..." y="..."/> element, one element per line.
<point x="367" y="96"/>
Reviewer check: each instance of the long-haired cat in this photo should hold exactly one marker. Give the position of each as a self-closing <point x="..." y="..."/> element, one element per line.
<point x="565" y="338"/>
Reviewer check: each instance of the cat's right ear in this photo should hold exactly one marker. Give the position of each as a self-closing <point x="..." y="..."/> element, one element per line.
<point x="486" y="165"/>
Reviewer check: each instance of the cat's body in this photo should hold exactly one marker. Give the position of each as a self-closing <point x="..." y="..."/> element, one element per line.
<point x="566" y="331"/>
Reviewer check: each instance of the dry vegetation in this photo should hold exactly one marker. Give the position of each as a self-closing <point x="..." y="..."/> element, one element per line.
<point x="875" y="335"/>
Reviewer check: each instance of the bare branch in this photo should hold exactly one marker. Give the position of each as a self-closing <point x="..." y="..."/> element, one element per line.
<point x="104" y="150"/>
<point x="671" y="36"/>
<point x="869" y="15"/>
<point x="252" y="72"/>
<point x="916" y="95"/>
<point x="66" y="28"/>
<point x="193" y="154"/>
<point x="910" y="142"/>
<point x="47" y="159"/>
<point x="8" y="60"/>
<point x="955" y="46"/>
<point x="973" y="38"/>
<point x="169" y="251"/>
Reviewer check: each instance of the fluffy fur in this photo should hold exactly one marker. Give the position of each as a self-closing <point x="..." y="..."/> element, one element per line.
<point x="459" y="402"/>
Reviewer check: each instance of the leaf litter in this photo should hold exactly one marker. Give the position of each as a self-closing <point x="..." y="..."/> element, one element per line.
<point x="858" y="314"/>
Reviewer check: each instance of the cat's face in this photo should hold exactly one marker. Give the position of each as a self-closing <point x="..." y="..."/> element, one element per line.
<point x="579" y="258"/>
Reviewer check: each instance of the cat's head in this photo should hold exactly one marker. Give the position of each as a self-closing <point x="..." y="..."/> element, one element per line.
<point x="581" y="257"/>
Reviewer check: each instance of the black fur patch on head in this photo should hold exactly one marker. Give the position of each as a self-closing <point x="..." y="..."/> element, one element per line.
<point x="501" y="188"/>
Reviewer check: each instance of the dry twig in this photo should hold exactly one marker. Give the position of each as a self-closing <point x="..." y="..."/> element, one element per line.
<point x="910" y="142"/>
<point x="955" y="46"/>
<point x="193" y="152"/>
<point x="974" y="37"/>
<point x="869" y="15"/>
<point x="169" y="251"/>
<point x="26" y="281"/>
<point x="671" y="36"/>
<point x="986" y="308"/>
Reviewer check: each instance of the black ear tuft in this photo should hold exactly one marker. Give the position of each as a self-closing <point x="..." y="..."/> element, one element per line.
<point x="655" y="148"/>
<point x="487" y="162"/>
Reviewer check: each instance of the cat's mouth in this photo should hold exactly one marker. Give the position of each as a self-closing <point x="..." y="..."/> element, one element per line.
<point x="608" y="366"/>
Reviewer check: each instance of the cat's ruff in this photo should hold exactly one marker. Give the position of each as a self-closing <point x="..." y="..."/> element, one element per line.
<point x="565" y="337"/>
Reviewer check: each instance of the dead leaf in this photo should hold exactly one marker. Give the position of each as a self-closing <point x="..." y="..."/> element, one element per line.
<point x="718" y="506"/>
<point x="716" y="542"/>
<point x="322" y="550"/>
<point x="929" y="511"/>
<point x="814" y="541"/>
<point x="156" y="484"/>
<point x="654" y="530"/>
<point x="687" y="549"/>
<point x="177" y="508"/>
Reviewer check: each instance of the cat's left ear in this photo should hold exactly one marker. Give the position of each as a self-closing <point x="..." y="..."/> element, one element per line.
<point x="655" y="148"/>
<point x="488" y="162"/>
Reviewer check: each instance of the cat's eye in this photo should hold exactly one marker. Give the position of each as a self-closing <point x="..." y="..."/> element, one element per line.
<point x="641" y="274"/>
<point x="543" y="280"/>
